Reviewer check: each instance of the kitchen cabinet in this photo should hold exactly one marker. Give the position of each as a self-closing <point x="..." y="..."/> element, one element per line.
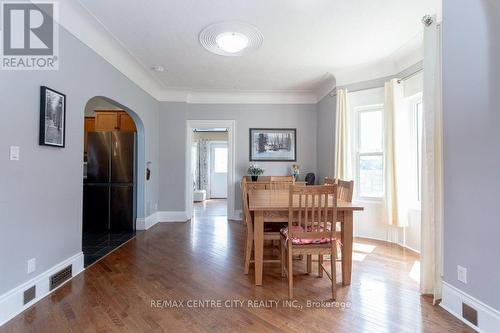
<point x="114" y="121"/>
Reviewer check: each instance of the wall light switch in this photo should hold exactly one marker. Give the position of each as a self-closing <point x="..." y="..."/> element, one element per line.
<point x="14" y="153"/>
<point x="462" y="274"/>
<point x="31" y="265"/>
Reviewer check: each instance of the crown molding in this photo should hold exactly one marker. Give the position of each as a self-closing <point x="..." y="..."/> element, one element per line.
<point x="81" y="23"/>
<point x="78" y="21"/>
<point x="238" y="97"/>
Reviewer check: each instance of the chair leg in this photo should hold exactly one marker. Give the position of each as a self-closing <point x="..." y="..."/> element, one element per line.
<point x="320" y="263"/>
<point x="309" y="263"/>
<point x="248" y="251"/>
<point x="290" y="271"/>
<point x="282" y="257"/>
<point x="333" y="265"/>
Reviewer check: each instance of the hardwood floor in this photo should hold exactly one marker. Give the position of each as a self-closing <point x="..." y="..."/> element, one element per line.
<point x="203" y="260"/>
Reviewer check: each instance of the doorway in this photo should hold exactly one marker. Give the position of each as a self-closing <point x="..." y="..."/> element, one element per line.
<point x="210" y="186"/>
<point x="109" y="180"/>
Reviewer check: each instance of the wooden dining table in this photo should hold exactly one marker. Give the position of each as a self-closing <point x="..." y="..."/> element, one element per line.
<point x="271" y="206"/>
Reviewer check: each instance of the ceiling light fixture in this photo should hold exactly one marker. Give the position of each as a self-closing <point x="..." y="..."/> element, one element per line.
<point x="231" y="38"/>
<point x="231" y="42"/>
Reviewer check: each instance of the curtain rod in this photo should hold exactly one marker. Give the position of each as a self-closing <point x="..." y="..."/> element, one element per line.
<point x="333" y="93"/>
<point x="410" y="75"/>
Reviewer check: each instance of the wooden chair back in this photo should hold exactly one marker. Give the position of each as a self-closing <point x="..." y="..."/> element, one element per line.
<point x="330" y="181"/>
<point x="247" y="217"/>
<point x="256" y="186"/>
<point x="280" y="185"/>
<point x="281" y="179"/>
<point x="345" y="190"/>
<point x="313" y="209"/>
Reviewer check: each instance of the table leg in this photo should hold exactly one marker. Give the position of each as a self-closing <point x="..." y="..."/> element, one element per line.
<point x="258" y="225"/>
<point x="347" y="248"/>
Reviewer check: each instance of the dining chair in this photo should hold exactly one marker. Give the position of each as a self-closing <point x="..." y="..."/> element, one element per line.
<point x="345" y="190"/>
<point x="281" y="179"/>
<point x="312" y="211"/>
<point x="279" y="185"/>
<point x="330" y="181"/>
<point x="269" y="233"/>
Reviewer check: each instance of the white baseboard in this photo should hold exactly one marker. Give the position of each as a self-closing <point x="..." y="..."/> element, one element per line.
<point x="237" y="216"/>
<point x="161" y="216"/>
<point x="409" y="248"/>
<point x="179" y="216"/>
<point x="488" y="318"/>
<point x="11" y="303"/>
<point x="146" y="223"/>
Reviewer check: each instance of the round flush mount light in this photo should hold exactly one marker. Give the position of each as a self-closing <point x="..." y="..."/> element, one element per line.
<point x="231" y="42"/>
<point x="231" y="38"/>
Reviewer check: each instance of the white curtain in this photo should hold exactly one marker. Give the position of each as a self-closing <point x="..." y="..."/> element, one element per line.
<point x="431" y="266"/>
<point x="202" y="175"/>
<point x="396" y="157"/>
<point x="342" y="137"/>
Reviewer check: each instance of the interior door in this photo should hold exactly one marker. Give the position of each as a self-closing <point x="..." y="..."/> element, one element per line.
<point x="218" y="170"/>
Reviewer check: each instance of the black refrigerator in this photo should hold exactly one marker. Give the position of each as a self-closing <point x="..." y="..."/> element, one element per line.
<point x="109" y="191"/>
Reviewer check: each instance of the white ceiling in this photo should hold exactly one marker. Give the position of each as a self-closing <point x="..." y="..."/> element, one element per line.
<point x="304" y="40"/>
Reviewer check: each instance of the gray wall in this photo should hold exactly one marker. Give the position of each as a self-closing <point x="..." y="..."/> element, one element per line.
<point x="326" y="109"/>
<point x="41" y="195"/>
<point x="98" y="103"/>
<point x="173" y="118"/>
<point x="471" y="69"/>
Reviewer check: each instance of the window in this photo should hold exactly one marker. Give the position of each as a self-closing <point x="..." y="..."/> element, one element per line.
<point x="220" y="160"/>
<point x="369" y="152"/>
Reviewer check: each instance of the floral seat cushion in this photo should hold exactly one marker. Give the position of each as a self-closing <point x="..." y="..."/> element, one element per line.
<point x="306" y="241"/>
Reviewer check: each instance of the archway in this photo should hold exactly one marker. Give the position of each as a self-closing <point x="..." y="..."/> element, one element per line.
<point x="114" y="182"/>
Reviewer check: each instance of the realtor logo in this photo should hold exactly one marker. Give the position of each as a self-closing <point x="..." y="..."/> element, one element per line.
<point x="29" y="36"/>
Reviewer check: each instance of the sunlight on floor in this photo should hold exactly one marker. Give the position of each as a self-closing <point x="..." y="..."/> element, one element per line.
<point x="365" y="248"/>
<point x="356" y="256"/>
<point x="415" y="272"/>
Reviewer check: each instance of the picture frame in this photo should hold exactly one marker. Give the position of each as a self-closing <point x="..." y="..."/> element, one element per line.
<point x="52" y="131"/>
<point x="273" y="144"/>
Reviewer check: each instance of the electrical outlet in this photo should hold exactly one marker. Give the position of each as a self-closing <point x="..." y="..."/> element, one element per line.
<point x="462" y="274"/>
<point x="31" y="265"/>
<point x="156" y="206"/>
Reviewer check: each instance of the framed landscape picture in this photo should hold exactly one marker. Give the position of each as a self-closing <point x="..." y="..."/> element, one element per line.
<point x="52" y="117"/>
<point x="273" y="144"/>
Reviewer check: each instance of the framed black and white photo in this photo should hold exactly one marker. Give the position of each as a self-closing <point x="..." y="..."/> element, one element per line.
<point x="52" y="117"/>
<point x="273" y="144"/>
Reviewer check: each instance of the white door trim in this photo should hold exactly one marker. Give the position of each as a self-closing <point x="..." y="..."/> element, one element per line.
<point x="231" y="185"/>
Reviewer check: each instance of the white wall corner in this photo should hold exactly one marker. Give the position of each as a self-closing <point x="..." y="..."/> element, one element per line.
<point x="11" y="303"/>
<point x="326" y="85"/>
<point x="488" y="318"/>
<point x="172" y="216"/>
<point x="147" y="222"/>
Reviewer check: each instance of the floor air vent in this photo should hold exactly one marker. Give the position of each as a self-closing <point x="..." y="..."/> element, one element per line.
<point x="469" y="313"/>
<point x="58" y="278"/>
<point x="29" y="295"/>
